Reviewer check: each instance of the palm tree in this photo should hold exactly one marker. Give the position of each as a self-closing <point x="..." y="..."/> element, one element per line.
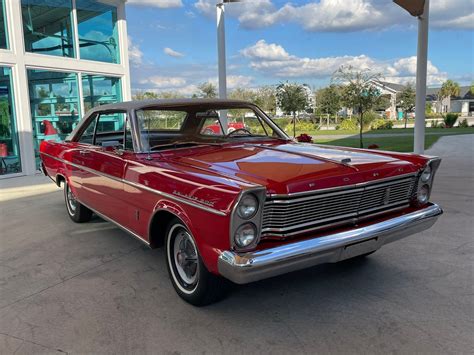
<point x="448" y="89"/>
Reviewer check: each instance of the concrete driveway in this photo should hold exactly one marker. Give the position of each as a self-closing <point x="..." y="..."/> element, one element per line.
<point x="93" y="289"/>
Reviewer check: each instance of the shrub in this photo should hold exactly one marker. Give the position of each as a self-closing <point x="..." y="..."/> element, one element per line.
<point x="302" y="126"/>
<point x="381" y="124"/>
<point x="463" y="123"/>
<point x="450" y="119"/>
<point x="304" y="138"/>
<point x="349" y="124"/>
<point x="368" y="118"/>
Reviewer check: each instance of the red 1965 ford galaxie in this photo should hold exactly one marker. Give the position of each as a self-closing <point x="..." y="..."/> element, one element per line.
<point x="241" y="206"/>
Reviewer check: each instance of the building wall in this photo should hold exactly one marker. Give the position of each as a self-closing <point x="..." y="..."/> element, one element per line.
<point x="56" y="87"/>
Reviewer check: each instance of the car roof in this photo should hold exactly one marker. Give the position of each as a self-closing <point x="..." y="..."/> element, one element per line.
<point x="173" y="103"/>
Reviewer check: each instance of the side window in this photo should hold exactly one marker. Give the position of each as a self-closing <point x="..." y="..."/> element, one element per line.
<point x="87" y="136"/>
<point x="110" y="130"/>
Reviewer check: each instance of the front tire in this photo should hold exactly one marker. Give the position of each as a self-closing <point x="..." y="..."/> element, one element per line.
<point x="75" y="210"/>
<point x="188" y="274"/>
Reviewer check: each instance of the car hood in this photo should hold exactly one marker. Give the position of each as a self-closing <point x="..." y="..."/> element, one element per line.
<point x="292" y="168"/>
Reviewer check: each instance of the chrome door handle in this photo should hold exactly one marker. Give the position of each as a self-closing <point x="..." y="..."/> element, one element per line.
<point x="84" y="152"/>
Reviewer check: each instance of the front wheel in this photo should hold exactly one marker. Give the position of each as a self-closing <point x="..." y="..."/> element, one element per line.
<point x="189" y="276"/>
<point x="76" y="211"/>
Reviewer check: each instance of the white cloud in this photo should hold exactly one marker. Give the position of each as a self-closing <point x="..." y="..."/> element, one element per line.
<point x="172" y="53"/>
<point x="164" y="82"/>
<point x="342" y="15"/>
<point x="235" y="81"/>
<point x="162" y="4"/>
<point x="273" y="60"/>
<point x="135" y="54"/>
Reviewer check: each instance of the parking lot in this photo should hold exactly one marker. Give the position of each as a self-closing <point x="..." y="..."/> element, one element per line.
<point x="91" y="288"/>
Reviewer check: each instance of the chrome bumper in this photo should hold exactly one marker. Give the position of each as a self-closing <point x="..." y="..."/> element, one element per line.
<point x="243" y="268"/>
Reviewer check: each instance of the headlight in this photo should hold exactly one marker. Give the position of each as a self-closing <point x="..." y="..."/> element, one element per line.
<point x="426" y="174"/>
<point x="423" y="194"/>
<point x="247" y="207"/>
<point x="245" y="235"/>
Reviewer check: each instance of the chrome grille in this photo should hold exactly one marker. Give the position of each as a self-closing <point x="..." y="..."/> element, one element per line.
<point x="285" y="216"/>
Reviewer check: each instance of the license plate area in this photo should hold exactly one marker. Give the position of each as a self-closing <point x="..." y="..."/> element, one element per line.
<point x="359" y="248"/>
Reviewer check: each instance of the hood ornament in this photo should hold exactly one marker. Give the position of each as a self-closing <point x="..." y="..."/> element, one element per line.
<point x="346" y="160"/>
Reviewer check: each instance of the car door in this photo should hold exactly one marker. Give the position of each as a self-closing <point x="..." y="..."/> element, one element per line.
<point x="107" y="165"/>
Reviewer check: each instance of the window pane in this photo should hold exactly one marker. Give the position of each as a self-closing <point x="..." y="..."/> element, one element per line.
<point x="9" y="147"/>
<point x="47" y="27"/>
<point x="3" y="26"/>
<point x="54" y="98"/>
<point x="110" y="129"/>
<point x="100" y="90"/>
<point x="160" y="120"/>
<point x="88" y="135"/>
<point x="97" y="27"/>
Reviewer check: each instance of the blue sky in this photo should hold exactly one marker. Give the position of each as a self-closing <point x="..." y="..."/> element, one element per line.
<point x="173" y="42"/>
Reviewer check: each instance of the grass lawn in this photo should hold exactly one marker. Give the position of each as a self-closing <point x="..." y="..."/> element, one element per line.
<point x="397" y="144"/>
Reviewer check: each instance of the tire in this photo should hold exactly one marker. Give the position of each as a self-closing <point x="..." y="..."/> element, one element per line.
<point x="188" y="274"/>
<point x="75" y="210"/>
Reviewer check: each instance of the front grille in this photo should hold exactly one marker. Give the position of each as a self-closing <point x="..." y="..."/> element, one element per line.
<point x="286" y="216"/>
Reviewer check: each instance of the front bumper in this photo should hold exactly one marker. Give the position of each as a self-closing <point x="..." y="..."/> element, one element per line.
<point x="247" y="267"/>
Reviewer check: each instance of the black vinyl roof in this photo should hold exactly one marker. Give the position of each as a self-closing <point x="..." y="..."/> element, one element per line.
<point x="173" y="103"/>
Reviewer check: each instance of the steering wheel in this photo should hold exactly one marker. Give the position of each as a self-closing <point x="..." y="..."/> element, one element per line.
<point x="237" y="130"/>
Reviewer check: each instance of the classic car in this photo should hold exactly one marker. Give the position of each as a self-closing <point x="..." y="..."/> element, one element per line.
<point x="243" y="206"/>
<point x="215" y="128"/>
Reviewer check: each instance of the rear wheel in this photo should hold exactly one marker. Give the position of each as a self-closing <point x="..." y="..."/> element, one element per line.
<point x="189" y="276"/>
<point x="76" y="211"/>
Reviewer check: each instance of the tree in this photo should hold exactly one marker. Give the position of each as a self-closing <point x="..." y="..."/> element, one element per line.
<point x="243" y="94"/>
<point x="207" y="90"/>
<point x="328" y="100"/>
<point x="266" y="99"/>
<point x="291" y="98"/>
<point x="448" y="89"/>
<point x="358" y="91"/>
<point x="406" y="101"/>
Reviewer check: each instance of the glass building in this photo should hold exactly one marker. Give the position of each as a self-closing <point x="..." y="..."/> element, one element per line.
<point x="58" y="59"/>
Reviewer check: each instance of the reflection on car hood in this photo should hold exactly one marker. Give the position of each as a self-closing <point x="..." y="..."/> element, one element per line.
<point x="289" y="167"/>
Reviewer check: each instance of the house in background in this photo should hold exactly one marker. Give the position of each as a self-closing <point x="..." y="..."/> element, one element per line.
<point x="464" y="103"/>
<point x="58" y="59"/>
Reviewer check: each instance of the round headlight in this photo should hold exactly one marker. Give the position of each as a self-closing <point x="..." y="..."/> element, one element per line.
<point x="423" y="194"/>
<point x="248" y="206"/>
<point x="426" y="174"/>
<point x="245" y="235"/>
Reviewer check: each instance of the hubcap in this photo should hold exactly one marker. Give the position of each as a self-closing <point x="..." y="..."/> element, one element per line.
<point x="185" y="257"/>
<point x="71" y="201"/>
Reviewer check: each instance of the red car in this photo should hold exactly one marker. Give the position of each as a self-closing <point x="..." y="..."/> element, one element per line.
<point x="216" y="128"/>
<point x="244" y="206"/>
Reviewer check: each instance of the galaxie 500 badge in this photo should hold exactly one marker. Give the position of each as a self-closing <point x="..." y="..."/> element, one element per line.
<point x="194" y="198"/>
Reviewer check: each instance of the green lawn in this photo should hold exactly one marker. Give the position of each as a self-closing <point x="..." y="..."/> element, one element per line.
<point x="397" y="144"/>
<point x="440" y="131"/>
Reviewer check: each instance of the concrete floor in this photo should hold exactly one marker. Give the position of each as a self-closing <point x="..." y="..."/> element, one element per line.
<point x="93" y="289"/>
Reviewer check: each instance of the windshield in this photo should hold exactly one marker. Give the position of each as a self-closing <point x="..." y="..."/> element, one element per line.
<point x="167" y="128"/>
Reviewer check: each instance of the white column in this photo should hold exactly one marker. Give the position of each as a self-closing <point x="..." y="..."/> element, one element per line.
<point x="421" y="73"/>
<point x="222" y="60"/>
<point x="123" y="47"/>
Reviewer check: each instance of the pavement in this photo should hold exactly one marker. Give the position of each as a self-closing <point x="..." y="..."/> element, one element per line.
<point x="92" y="289"/>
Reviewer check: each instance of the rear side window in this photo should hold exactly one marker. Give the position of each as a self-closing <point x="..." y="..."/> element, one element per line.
<point x="109" y="129"/>
<point x="88" y="135"/>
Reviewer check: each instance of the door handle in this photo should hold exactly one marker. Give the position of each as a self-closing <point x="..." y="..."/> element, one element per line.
<point x="84" y="152"/>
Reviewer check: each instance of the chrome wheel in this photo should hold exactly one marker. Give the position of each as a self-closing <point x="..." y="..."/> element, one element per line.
<point x="71" y="201"/>
<point x="185" y="257"/>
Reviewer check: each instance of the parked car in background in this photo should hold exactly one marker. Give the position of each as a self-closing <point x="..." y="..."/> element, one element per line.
<point x="215" y="128"/>
<point x="243" y="206"/>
